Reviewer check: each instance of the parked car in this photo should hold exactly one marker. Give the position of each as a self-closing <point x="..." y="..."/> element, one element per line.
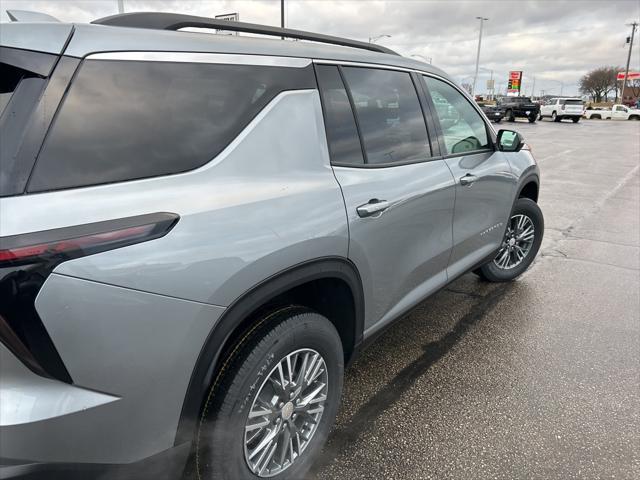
<point x="200" y="231"/>
<point x="559" y="109"/>
<point x="519" y="107"/>
<point x="617" y="112"/>
<point x="493" y="112"/>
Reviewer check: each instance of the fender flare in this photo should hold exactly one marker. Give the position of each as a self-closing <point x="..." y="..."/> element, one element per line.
<point x="524" y="181"/>
<point x="205" y="366"/>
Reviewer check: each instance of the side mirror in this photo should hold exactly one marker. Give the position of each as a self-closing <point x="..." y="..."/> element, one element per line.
<point x="509" y="141"/>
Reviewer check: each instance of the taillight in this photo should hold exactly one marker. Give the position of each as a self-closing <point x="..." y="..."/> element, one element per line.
<point x="27" y="260"/>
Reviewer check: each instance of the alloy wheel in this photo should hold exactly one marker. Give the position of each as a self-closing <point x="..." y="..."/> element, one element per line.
<point x="286" y="412"/>
<point x="517" y="243"/>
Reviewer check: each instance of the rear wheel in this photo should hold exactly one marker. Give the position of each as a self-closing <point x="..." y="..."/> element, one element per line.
<point x="520" y="244"/>
<point x="271" y="407"/>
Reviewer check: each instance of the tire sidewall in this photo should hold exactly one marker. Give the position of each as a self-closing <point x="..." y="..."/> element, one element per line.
<point x="222" y="435"/>
<point x="527" y="207"/>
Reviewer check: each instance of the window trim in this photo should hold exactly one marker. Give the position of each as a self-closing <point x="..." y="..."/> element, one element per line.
<point x="429" y="158"/>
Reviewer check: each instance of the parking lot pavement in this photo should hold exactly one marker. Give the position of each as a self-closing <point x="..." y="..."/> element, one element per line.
<point x="535" y="379"/>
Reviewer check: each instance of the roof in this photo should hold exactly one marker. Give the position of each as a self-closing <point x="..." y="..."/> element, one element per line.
<point x="91" y="38"/>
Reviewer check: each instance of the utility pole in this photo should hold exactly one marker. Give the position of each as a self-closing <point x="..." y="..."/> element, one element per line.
<point x="626" y="71"/>
<point x="475" y="77"/>
<point x="120" y="6"/>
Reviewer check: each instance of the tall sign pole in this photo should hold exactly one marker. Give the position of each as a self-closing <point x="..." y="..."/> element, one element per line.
<point x="475" y="76"/>
<point x="626" y="71"/>
<point x="120" y="6"/>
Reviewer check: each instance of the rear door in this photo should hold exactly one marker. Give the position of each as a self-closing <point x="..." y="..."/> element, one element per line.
<point x="484" y="181"/>
<point x="399" y="199"/>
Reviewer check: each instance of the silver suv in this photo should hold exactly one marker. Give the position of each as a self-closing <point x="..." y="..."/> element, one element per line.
<point x="198" y="232"/>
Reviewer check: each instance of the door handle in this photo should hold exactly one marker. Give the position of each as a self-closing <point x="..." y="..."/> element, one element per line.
<point x="468" y="180"/>
<point x="373" y="207"/>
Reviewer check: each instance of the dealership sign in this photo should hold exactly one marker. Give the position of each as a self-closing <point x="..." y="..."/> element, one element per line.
<point x="632" y="76"/>
<point x="515" y="82"/>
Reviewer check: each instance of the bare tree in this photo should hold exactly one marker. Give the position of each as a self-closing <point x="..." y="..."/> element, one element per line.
<point x="599" y="82"/>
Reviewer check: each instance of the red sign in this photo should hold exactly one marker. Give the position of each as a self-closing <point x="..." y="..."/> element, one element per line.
<point x="632" y="76"/>
<point x="515" y="82"/>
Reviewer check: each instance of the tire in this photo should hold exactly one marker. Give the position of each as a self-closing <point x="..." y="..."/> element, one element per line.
<point x="497" y="120"/>
<point x="491" y="271"/>
<point x="554" y="117"/>
<point x="509" y="116"/>
<point x="532" y="118"/>
<point x="633" y="117"/>
<point x="596" y="117"/>
<point x="291" y="332"/>
<point x="540" y="116"/>
<point x="575" y="119"/>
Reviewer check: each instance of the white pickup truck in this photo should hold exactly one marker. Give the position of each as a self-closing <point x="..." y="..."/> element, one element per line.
<point x="560" y="108"/>
<point x="617" y="112"/>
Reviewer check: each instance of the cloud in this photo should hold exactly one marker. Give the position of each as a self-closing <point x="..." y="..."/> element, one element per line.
<point x="555" y="41"/>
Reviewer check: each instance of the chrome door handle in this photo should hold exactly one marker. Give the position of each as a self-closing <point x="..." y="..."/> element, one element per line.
<point x="373" y="207"/>
<point x="468" y="180"/>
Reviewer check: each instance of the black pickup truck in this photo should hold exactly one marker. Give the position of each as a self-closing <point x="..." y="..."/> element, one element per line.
<point x="521" y="107"/>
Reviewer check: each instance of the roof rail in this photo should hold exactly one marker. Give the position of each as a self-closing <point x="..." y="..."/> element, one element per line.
<point x="29" y="16"/>
<point x="175" y="21"/>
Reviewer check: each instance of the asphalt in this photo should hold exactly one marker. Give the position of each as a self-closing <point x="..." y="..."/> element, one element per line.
<point x="536" y="379"/>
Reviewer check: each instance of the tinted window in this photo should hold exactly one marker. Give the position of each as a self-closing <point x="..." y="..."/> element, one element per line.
<point x="9" y="79"/>
<point x="389" y="115"/>
<point x="342" y="133"/>
<point x="124" y="120"/>
<point x="571" y="102"/>
<point x="462" y="126"/>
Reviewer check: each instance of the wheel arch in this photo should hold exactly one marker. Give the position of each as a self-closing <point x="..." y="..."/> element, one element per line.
<point x="529" y="188"/>
<point x="242" y="313"/>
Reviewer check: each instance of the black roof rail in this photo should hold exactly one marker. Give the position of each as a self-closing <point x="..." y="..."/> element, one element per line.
<point x="176" y="21"/>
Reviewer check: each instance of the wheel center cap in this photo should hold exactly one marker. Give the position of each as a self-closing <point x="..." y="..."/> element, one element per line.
<point x="512" y="242"/>
<point x="287" y="411"/>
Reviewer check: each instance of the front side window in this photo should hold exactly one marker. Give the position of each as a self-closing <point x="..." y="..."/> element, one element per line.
<point x="389" y="115"/>
<point x="124" y="120"/>
<point x="462" y="126"/>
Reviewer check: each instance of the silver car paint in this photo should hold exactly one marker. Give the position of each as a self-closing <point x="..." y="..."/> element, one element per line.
<point x="481" y="212"/>
<point x="130" y="322"/>
<point x="408" y="245"/>
<point x="248" y="214"/>
<point x="40" y="37"/>
<point x="136" y="346"/>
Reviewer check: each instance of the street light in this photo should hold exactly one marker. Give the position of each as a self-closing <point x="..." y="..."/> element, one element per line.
<point x="428" y="60"/>
<point x="475" y="77"/>
<point x="376" y="38"/>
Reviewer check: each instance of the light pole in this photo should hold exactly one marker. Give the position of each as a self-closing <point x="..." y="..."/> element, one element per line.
<point x="120" y="6"/>
<point x="491" y="78"/>
<point x="626" y="71"/>
<point x="475" y="77"/>
<point x="428" y="60"/>
<point x="378" y="37"/>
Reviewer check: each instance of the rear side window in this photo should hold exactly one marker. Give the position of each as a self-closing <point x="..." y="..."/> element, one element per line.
<point x="10" y="77"/>
<point x="571" y="102"/>
<point x="389" y="115"/>
<point x="342" y="133"/>
<point x="124" y="120"/>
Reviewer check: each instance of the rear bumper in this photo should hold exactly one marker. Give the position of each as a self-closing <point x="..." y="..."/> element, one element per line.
<point x="167" y="465"/>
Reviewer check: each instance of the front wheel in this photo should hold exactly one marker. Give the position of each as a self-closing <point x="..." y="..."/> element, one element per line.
<point x="554" y="117"/>
<point x="575" y="119"/>
<point x="509" y="116"/>
<point x="274" y="401"/>
<point x="520" y="244"/>
<point x="532" y="119"/>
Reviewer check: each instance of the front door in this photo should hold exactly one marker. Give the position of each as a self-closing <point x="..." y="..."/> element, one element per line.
<point x="399" y="200"/>
<point x="484" y="182"/>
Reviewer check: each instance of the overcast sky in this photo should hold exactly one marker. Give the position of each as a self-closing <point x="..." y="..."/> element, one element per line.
<point x="548" y="39"/>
